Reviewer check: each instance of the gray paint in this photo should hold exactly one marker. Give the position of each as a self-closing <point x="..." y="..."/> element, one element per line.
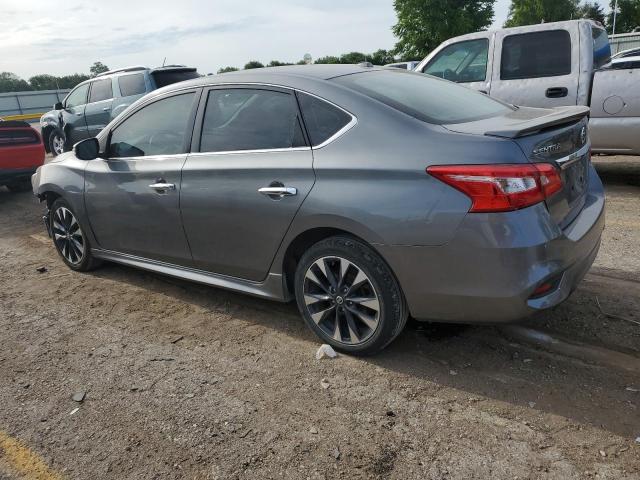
<point x="369" y="182"/>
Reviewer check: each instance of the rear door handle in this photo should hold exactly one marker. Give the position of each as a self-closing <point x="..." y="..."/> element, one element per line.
<point x="556" y="92"/>
<point x="278" y="191"/>
<point x="162" y="186"/>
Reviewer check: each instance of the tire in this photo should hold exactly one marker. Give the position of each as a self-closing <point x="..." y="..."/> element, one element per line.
<point x="342" y="281"/>
<point x="70" y="241"/>
<point x="20" y="186"/>
<point x="57" y="142"/>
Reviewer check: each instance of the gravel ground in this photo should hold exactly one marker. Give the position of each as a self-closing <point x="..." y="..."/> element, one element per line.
<point x="186" y="381"/>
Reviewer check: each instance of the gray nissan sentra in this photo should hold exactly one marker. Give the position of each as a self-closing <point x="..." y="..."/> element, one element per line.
<point x="367" y="194"/>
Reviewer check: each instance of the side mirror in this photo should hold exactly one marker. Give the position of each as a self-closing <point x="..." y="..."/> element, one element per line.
<point x="58" y="106"/>
<point x="87" y="149"/>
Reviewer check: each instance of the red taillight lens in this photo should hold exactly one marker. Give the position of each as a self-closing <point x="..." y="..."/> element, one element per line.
<point x="501" y="188"/>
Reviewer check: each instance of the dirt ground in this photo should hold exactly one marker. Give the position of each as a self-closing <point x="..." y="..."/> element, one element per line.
<point x="186" y="381"/>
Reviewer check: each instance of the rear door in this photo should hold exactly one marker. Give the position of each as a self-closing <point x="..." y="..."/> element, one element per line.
<point x="249" y="172"/>
<point x="537" y="68"/>
<point x="98" y="110"/>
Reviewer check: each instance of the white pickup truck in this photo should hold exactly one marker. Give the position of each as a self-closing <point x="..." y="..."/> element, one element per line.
<point x="550" y="65"/>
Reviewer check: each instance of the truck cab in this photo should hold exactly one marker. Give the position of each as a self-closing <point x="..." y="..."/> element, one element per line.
<point x="549" y="65"/>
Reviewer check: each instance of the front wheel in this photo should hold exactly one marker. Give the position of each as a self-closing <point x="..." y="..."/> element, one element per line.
<point x="56" y="142"/>
<point x="69" y="239"/>
<point x="349" y="297"/>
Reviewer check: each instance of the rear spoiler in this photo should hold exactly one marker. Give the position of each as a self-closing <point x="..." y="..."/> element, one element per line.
<point x="558" y="116"/>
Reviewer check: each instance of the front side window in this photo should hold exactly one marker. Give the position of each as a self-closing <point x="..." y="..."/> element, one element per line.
<point x="424" y="97"/>
<point x="132" y="84"/>
<point x="248" y="119"/>
<point x="322" y="119"/>
<point x="101" y="90"/>
<point x="461" y="62"/>
<point x="535" y="55"/>
<point x="157" y="129"/>
<point x="77" y="96"/>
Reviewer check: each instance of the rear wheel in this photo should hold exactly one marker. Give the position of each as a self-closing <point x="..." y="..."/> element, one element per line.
<point x="348" y="296"/>
<point x="69" y="239"/>
<point x="56" y="142"/>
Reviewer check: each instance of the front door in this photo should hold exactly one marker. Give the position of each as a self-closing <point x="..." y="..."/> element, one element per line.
<point x="244" y="184"/>
<point x="133" y="196"/>
<point x="73" y="121"/>
<point x="98" y="110"/>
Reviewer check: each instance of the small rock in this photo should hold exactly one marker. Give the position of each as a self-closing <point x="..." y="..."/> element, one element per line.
<point x="324" y="383"/>
<point x="638" y="440"/>
<point x="532" y="404"/>
<point x="336" y="453"/>
<point x="75" y="410"/>
<point x="325" y="351"/>
<point x="313" y="430"/>
<point x="134" y="389"/>
<point x="391" y="413"/>
<point x="452" y="372"/>
<point x="603" y="453"/>
<point x="79" y="397"/>
<point x="41" y="269"/>
<point x="527" y="360"/>
<point x="176" y="340"/>
<point x="190" y="395"/>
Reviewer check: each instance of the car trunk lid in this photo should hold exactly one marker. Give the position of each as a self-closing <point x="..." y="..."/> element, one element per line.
<point x="557" y="136"/>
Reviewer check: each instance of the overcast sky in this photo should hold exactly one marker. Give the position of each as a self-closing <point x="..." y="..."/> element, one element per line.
<point x="62" y="37"/>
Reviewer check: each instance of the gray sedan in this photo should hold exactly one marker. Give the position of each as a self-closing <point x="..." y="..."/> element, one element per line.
<point x="366" y="194"/>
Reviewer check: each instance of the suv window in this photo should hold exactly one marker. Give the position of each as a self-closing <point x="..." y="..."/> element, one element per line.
<point x="157" y="129"/>
<point x="424" y="97"/>
<point x="132" y="84"/>
<point x="537" y="54"/>
<point x="77" y="96"/>
<point x="100" y="90"/>
<point x="322" y="119"/>
<point x="248" y="119"/>
<point x="461" y="62"/>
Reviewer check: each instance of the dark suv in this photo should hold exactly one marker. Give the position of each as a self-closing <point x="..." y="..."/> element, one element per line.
<point x="91" y="105"/>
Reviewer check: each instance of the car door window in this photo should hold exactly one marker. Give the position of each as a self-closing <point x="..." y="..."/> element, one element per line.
<point x="535" y="55"/>
<point x="461" y="62"/>
<point x="322" y="119"/>
<point x="250" y="119"/>
<point x="132" y="84"/>
<point x="157" y="129"/>
<point x="77" y="96"/>
<point x="100" y="90"/>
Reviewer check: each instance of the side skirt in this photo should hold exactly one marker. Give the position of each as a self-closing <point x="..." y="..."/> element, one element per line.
<point x="272" y="288"/>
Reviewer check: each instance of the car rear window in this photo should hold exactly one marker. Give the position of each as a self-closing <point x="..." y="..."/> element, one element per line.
<point x="21" y="136"/>
<point x="322" y="119"/>
<point x="535" y="55"/>
<point x="164" y="78"/>
<point x="424" y="97"/>
<point x="132" y="84"/>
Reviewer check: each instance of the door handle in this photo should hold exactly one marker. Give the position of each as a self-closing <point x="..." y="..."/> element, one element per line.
<point x="556" y="92"/>
<point x="162" y="186"/>
<point x="278" y="192"/>
<point x="106" y="109"/>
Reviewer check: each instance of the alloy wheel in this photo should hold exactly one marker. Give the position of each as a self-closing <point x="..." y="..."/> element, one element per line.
<point x="341" y="300"/>
<point x="68" y="236"/>
<point x="57" y="144"/>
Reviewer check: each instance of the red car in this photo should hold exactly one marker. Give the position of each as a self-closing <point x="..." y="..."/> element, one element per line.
<point x="21" y="153"/>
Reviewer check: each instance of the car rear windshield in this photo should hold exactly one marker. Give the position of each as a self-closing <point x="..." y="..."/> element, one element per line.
<point x="424" y="97"/>
<point x="168" y="77"/>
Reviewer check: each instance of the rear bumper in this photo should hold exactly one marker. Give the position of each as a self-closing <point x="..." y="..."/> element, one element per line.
<point x="489" y="271"/>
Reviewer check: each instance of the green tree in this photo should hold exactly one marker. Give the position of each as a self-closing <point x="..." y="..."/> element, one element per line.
<point x="10" y="82"/>
<point x="70" y="81"/>
<point x="44" y="82"/>
<point x="97" y="68"/>
<point x="327" y="59"/>
<point x="530" y="12"/>
<point x="381" y="57"/>
<point x="424" y="24"/>
<point x="592" y="10"/>
<point x="253" y="64"/>
<point x="277" y="63"/>
<point x="628" y="16"/>
<point x="301" y="62"/>
<point x="353" y="57"/>
<point x="227" y="69"/>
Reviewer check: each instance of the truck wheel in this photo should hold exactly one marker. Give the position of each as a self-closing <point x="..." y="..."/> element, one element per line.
<point x="56" y="142"/>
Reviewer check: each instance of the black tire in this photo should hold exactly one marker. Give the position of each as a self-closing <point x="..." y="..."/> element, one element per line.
<point x="20" y="186"/>
<point x="57" y="142"/>
<point x="66" y="246"/>
<point x="389" y="304"/>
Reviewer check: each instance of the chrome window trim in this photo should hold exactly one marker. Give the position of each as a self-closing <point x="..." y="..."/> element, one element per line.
<point x="566" y="162"/>
<point x="148" y="157"/>
<point x="260" y="150"/>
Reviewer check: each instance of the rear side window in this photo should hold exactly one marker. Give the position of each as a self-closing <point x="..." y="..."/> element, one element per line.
<point x="601" y="47"/>
<point x="322" y="119"/>
<point x="534" y="55"/>
<point x="169" y="77"/>
<point x="248" y="119"/>
<point x="461" y="62"/>
<point x="424" y="97"/>
<point x="100" y="90"/>
<point x="158" y="129"/>
<point x="132" y="85"/>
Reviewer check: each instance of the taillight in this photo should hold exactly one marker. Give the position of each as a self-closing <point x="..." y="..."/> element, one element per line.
<point x="501" y="188"/>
